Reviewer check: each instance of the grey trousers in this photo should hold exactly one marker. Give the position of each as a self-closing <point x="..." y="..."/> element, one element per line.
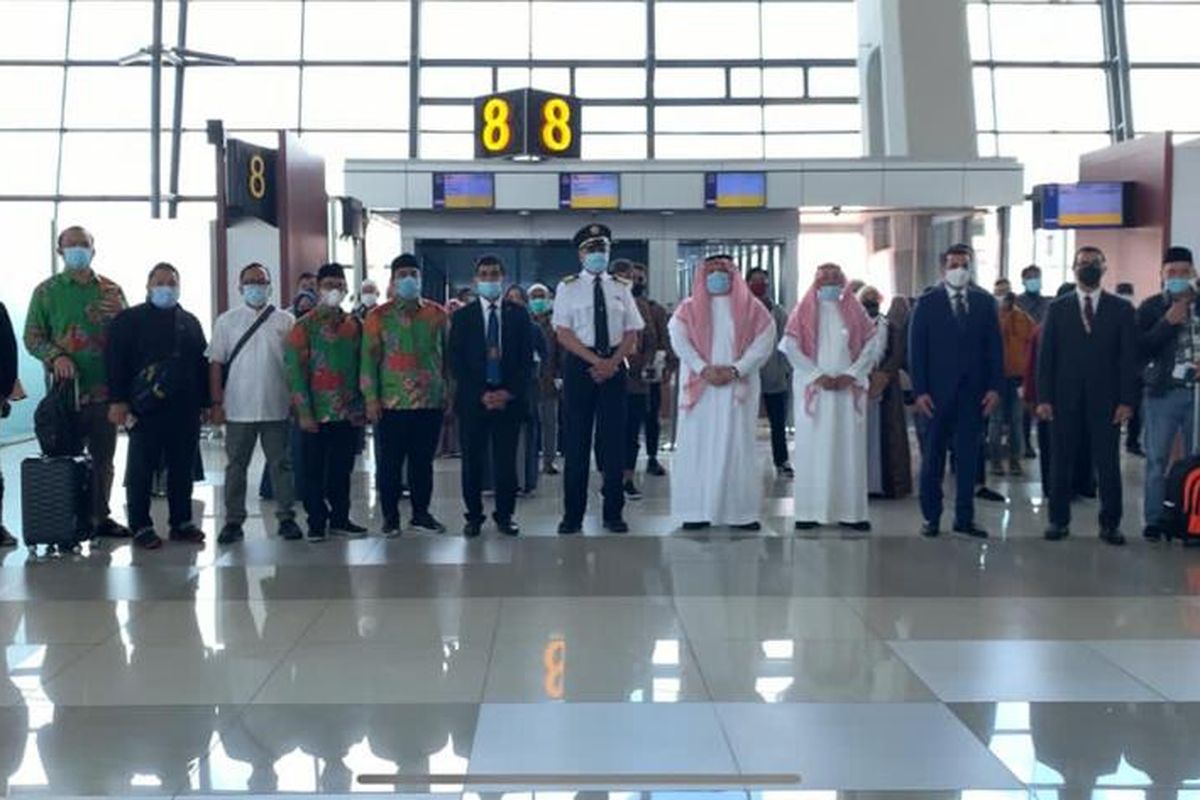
<point x="240" y="438"/>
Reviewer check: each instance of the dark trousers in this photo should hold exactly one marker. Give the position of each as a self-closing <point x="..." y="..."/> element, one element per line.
<point x="100" y="437"/>
<point x="170" y="438"/>
<point x="1069" y="430"/>
<point x="589" y="405"/>
<point x="635" y="418"/>
<point x="957" y="424"/>
<point x="1044" y="452"/>
<point x="408" y="439"/>
<point x="776" y="404"/>
<point x="1133" y="428"/>
<point x="328" y="458"/>
<point x="653" y="421"/>
<point x="489" y="433"/>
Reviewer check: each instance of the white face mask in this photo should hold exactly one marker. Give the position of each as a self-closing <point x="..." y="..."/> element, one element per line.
<point x="333" y="298"/>
<point x="958" y="277"/>
<point x="370" y="299"/>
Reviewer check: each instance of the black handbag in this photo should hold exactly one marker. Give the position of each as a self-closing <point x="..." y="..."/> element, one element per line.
<point x="157" y="384"/>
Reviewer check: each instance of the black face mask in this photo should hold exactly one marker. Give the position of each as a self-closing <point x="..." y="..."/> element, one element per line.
<point x="872" y="309"/>
<point x="639" y="289"/>
<point x="1089" y="274"/>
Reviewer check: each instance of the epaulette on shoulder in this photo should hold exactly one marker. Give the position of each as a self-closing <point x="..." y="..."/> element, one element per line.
<point x="622" y="280"/>
<point x="570" y="279"/>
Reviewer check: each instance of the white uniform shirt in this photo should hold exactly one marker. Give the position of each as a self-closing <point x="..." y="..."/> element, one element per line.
<point x="257" y="389"/>
<point x="573" y="308"/>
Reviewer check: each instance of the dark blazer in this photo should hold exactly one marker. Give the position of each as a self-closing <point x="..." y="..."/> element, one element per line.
<point x="8" y="354"/>
<point x="467" y="355"/>
<point x="945" y="358"/>
<point x="1157" y="341"/>
<point x="1078" y="370"/>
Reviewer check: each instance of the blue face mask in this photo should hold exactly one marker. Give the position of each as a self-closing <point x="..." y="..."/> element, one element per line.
<point x="1178" y="285"/>
<point x="408" y="287"/>
<point x="595" y="262"/>
<point x="1033" y="285"/>
<point x="489" y="290"/>
<point x="164" y="296"/>
<point x="718" y="282"/>
<point x="77" y="257"/>
<point x="255" y="294"/>
<point x="829" y="292"/>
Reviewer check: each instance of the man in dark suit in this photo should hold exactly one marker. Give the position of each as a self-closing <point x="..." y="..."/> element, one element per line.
<point x="957" y="364"/>
<point x="1086" y="388"/>
<point x="490" y="358"/>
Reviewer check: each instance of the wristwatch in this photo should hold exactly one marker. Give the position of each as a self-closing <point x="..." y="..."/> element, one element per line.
<point x="737" y="375"/>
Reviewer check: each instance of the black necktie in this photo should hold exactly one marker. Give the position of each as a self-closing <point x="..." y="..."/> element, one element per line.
<point x="600" y="319"/>
<point x="493" y="348"/>
<point x="1089" y="313"/>
<point x="960" y="308"/>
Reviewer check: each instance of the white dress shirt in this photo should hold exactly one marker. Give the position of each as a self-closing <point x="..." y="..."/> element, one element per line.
<point x="573" y="308"/>
<point x="257" y="390"/>
<point x="1095" y="295"/>
<point x="951" y="291"/>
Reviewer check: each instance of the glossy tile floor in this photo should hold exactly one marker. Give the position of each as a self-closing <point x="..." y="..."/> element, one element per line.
<point x="653" y="665"/>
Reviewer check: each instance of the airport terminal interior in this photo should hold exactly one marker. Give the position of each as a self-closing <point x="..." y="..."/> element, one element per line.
<point x="823" y="663"/>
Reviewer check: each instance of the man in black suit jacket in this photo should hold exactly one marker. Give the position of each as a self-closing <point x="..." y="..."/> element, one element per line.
<point x="1087" y="364"/>
<point x="490" y="354"/>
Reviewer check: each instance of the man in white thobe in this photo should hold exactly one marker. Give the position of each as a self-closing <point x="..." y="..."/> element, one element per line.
<point x="833" y="345"/>
<point x="723" y="335"/>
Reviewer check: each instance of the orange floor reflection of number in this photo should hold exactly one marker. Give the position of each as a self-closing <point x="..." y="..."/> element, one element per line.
<point x="554" y="659"/>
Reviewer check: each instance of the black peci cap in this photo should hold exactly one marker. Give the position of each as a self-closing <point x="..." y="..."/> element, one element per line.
<point x="590" y="233"/>
<point x="1178" y="254"/>
<point x="405" y="260"/>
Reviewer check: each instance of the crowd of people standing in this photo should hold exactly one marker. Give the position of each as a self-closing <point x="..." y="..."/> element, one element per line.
<point x="980" y="372"/>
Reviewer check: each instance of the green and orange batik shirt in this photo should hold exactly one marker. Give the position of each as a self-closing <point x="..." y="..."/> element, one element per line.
<point x="70" y="317"/>
<point x="403" y="356"/>
<point x="322" y="358"/>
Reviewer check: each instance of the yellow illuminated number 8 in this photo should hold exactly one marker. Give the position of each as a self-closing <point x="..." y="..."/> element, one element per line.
<point x="496" y="131"/>
<point x="556" y="127"/>
<point x="258" y="177"/>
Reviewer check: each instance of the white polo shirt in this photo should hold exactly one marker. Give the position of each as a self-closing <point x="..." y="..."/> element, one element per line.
<point x="573" y="308"/>
<point x="257" y="389"/>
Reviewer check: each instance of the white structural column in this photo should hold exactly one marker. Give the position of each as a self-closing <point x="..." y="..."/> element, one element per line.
<point x="918" y="99"/>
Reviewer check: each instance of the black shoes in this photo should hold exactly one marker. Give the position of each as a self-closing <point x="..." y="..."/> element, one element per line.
<point x="567" y="528"/>
<point x="391" y="529"/>
<point x="188" y="534"/>
<point x="616" y="526"/>
<point x="984" y="493"/>
<point x="472" y="529"/>
<point x="862" y="526"/>
<point x="231" y="533"/>
<point x="1135" y="450"/>
<point x="317" y="533"/>
<point x="1112" y="536"/>
<point x="631" y="491"/>
<point x="1056" y="533"/>
<point x="426" y="522"/>
<point x="108" y="529"/>
<point x="508" y="527"/>
<point x="696" y="526"/>
<point x="289" y="530"/>
<point x="348" y="529"/>
<point x="550" y="469"/>
<point x="972" y="530"/>
<point x="749" y="526"/>
<point x="806" y="525"/>
<point x="930" y="530"/>
<point x="785" y="471"/>
<point x="654" y="468"/>
<point x="1153" y="533"/>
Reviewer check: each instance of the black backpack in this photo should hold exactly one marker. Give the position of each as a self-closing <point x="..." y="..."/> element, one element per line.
<point x="55" y="421"/>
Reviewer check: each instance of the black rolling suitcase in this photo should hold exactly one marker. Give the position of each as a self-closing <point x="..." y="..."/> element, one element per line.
<point x="1182" y="503"/>
<point x="56" y="500"/>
